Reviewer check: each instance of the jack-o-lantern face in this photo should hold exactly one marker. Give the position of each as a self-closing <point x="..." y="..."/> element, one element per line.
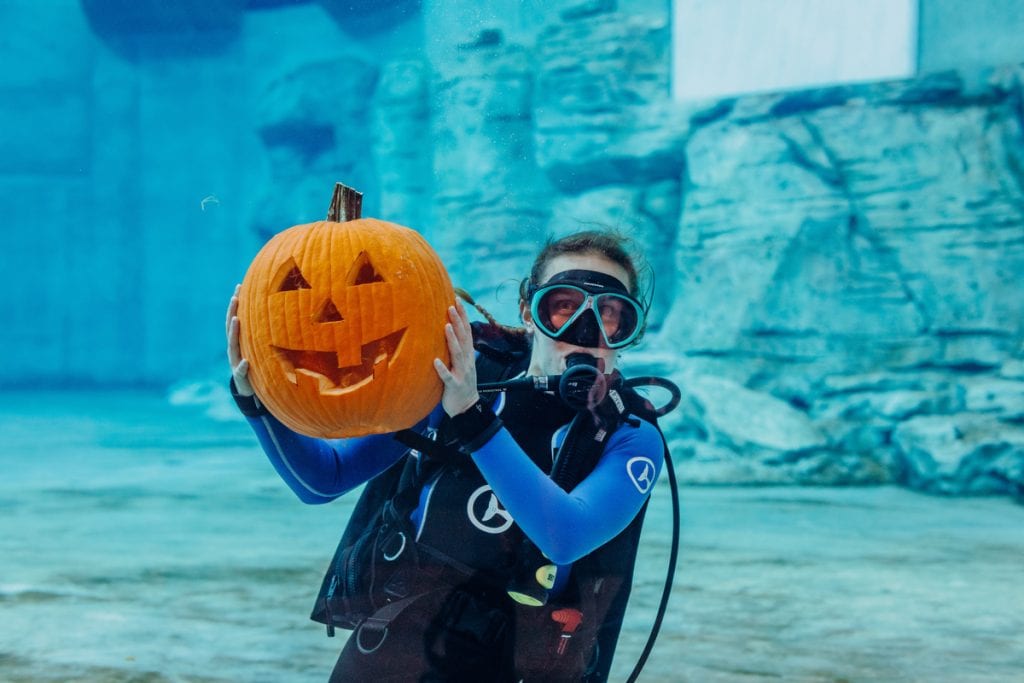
<point x="341" y="323"/>
<point x="337" y="368"/>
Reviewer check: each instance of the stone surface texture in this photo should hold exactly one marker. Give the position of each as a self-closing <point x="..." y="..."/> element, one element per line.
<point x="857" y="253"/>
<point x="838" y="271"/>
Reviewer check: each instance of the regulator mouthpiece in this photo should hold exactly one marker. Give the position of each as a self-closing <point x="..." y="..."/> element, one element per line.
<point x="578" y="381"/>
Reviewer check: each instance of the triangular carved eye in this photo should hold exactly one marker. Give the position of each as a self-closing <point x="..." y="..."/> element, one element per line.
<point x="362" y="271"/>
<point x="289" y="278"/>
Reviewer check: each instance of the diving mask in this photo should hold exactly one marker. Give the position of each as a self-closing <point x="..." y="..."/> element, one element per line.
<point x="584" y="307"/>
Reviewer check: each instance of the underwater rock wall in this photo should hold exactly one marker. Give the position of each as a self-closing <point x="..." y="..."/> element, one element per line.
<point x="490" y="200"/>
<point x="857" y="253"/>
<point x="837" y="269"/>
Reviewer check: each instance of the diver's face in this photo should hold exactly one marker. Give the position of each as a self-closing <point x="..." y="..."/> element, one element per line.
<point x="548" y="355"/>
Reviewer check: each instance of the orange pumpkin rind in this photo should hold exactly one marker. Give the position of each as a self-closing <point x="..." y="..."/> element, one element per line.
<point x="341" y="323"/>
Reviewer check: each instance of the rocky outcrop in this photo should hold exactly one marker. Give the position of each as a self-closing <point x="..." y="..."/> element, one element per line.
<point x="491" y="203"/>
<point x="962" y="453"/>
<point x="142" y="29"/>
<point x="857" y="252"/>
<point x="370" y="16"/>
<point x="603" y="116"/>
<point x="313" y="122"/>
<point x="402" y="148"/>
<point x="836" y="269"/>
<point x="608" y="138"/>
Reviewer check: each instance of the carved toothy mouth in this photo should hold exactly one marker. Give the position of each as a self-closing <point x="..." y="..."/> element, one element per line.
<point x="322" y="368"/>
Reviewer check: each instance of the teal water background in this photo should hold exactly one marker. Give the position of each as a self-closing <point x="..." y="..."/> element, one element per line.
<point x="144" y="541"/>
<point x="141" y="541"/>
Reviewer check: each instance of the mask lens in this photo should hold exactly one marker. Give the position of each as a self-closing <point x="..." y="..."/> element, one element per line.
<point x="620" y="317"/>
<point x="556" y="306"/>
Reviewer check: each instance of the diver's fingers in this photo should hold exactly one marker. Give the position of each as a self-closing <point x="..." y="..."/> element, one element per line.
<point x="232" y="308"/>
<point x="443" y="372"/>
<point x="455" y="350"/>
<point x="462" y="326"/>
<point x="234" y="350"/>
<point x="240" y="373"/>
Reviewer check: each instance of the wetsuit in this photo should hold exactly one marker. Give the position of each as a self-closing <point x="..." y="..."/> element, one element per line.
<point x="512" y="465"/>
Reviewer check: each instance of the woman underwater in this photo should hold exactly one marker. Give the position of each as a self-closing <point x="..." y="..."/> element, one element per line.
<point x="466" y="558"/>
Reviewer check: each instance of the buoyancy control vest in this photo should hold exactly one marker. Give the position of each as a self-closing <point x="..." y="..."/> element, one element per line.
<point x="382" y="566"/>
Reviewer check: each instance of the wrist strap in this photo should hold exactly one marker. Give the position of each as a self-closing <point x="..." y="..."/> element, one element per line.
<point x="250" y="406"/>
<point x="475" y="427"/>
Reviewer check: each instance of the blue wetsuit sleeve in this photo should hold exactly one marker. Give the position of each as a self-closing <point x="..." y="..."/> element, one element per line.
<point x="320" y="470"/>
<point x="565" y="526"/>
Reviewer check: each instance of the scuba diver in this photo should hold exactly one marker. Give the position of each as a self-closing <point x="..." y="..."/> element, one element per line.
<point x="496" y="539"/>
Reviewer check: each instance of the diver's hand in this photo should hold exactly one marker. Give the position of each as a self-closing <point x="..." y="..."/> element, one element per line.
<point x="239" y="365"/>
<point x="460" y="381"/>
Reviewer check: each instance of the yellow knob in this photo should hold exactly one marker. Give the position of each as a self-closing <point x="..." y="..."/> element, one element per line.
<point x="546" y="575"/>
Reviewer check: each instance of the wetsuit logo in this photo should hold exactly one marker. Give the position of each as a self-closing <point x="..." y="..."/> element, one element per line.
<point x="641" y="473"/>
<point x="486" y="513"/>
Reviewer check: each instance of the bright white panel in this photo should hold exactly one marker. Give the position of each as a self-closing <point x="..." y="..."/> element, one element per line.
<point x="729" y="47"/>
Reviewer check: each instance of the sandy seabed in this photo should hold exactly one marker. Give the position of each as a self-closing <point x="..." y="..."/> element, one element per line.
<point x="145" y="542"/>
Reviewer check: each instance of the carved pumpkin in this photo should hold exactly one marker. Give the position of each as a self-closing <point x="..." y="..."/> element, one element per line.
<point x="341" y="323"/>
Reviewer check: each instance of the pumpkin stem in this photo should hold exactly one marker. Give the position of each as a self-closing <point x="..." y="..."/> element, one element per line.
<point x="346" y="204"/>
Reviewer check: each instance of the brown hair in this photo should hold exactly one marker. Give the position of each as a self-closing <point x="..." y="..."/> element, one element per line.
<point x="611" y="245"/>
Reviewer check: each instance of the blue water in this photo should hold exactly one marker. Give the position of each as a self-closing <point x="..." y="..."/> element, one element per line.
<point x="141" y="541"/>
